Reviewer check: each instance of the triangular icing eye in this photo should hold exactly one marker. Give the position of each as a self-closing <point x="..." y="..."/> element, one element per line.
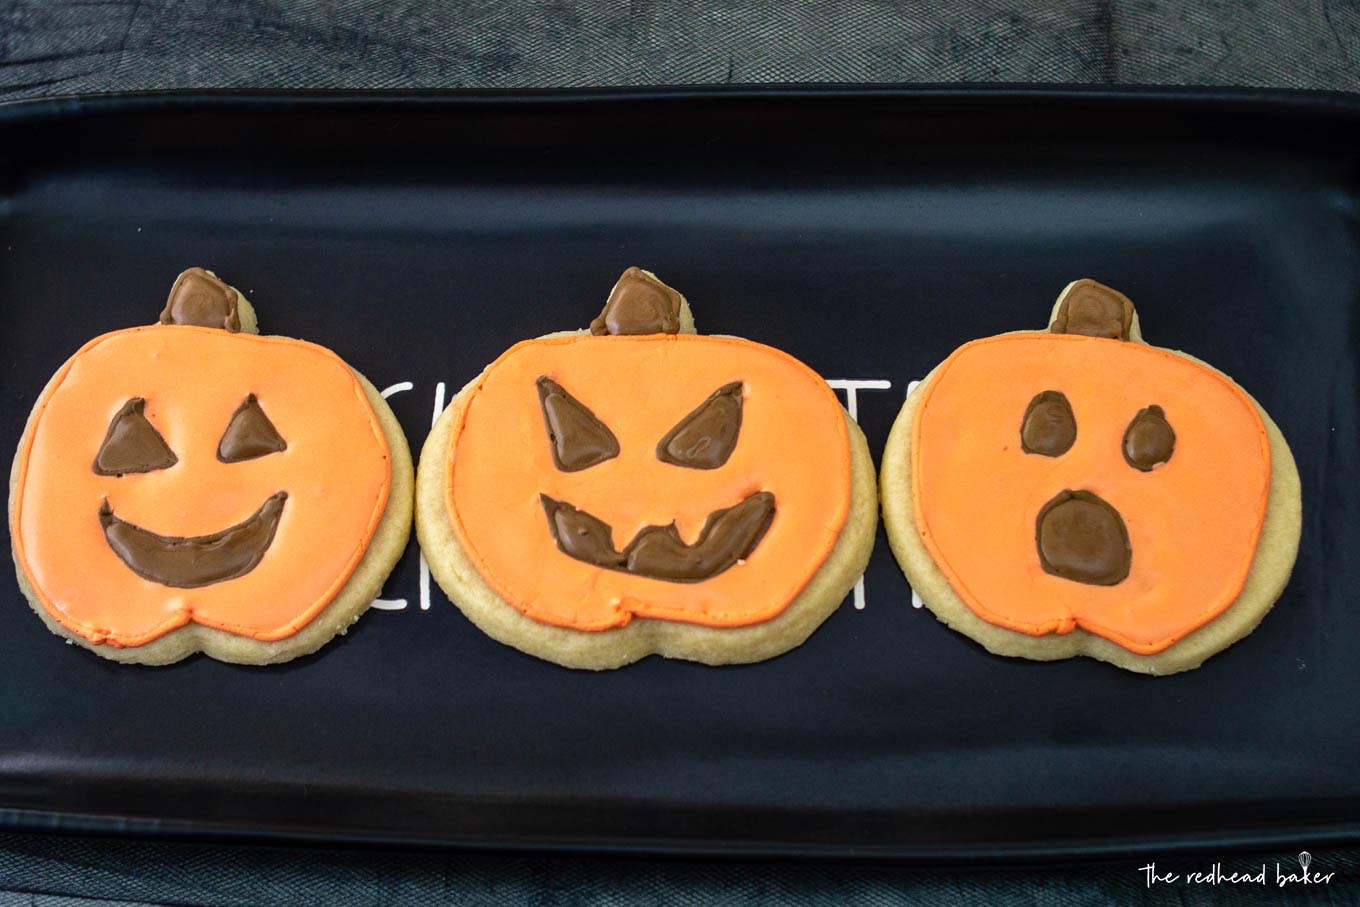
<point x="132" y="444"/>
<point x="249" y="434"/>
<point x="579" y="439"/>
<point x="706" y="437"/>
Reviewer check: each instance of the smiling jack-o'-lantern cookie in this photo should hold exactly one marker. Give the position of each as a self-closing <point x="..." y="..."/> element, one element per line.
<point x="1078" y="492"/>
<point x="192" y="486"/>
<point x="597" y="496"/>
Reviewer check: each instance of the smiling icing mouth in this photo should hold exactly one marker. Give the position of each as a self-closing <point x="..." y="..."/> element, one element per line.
<point x="658" y="552"/>
<point x="191" y="562"/>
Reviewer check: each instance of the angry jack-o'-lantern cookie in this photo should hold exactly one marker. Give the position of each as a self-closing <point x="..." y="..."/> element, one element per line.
<point x="597" y="496"/>
<point x="1078" y="492"/>
<point x="192" y="486"/>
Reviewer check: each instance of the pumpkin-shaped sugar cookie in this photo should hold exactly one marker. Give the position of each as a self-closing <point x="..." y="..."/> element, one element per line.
<point x="1076" y="491"/>
<point x="192" y="486"/>
<point x="600" y="495"/>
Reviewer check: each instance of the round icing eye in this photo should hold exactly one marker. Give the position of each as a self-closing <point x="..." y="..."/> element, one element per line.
<point x="132" y="444"/>
<point x="706" y="437"/>
<point x="1149" y="440"/>
<point x="1049" y="427"/>
<point x="579" y="439"/>
<point x="249" y="434"/>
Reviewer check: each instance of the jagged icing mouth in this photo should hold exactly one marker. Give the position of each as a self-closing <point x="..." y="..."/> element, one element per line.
<point x="188" y="562"/>
<point x="658" y="552"/>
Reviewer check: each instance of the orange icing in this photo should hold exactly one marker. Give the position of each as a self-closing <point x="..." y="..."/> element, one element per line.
<point x="1193" y="522"/>
<point x="336" y="471"/>
<point x="793" y="442"/>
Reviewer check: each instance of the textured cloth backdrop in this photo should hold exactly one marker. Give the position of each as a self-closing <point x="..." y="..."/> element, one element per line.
<point x="94" y="873"/>
<point x="54" y="47"/>
<point x="50" y="47"/>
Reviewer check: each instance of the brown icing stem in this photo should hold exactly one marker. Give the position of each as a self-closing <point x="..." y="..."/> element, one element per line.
<point x="1095" y="310"/>
<point x="639" y="304"/>
<point x="658" y="552"/>
<point x="706" y="437"/>
<point x="191" y="562"/>
<point x="249" y="434"/>
<point x="1049" y="427"/>
<point x="1149" y="439"/>
<point x="1082" y="538"/>
<point x="132" y="444"/>
<point x="579" y="439"/>
<point x="199" y="298"/>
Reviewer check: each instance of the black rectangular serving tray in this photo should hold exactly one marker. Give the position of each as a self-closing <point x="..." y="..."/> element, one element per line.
<point x="868" y="232"/>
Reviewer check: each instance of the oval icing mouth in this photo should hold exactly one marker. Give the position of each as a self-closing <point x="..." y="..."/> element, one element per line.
<point x="191" y="562"/>
<point x="658" y="552"/>
<point x="1082" y="537"/>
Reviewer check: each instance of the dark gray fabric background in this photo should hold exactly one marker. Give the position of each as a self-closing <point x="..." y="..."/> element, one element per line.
<point x="62" y="47"/>
<point x="91" y="872"/>
<point x="56" y="47"/>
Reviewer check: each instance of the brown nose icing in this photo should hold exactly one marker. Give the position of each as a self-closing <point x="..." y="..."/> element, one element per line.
<point x="1082" y="538"/>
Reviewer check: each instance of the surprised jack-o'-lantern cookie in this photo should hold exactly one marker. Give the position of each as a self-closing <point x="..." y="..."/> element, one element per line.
<point x="192" y="486"/>
<point x="1077" y="491"/>
<point x="600" y="495"/>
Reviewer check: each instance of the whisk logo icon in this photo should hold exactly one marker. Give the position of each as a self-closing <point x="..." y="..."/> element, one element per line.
<point x="1303" y="876"/>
